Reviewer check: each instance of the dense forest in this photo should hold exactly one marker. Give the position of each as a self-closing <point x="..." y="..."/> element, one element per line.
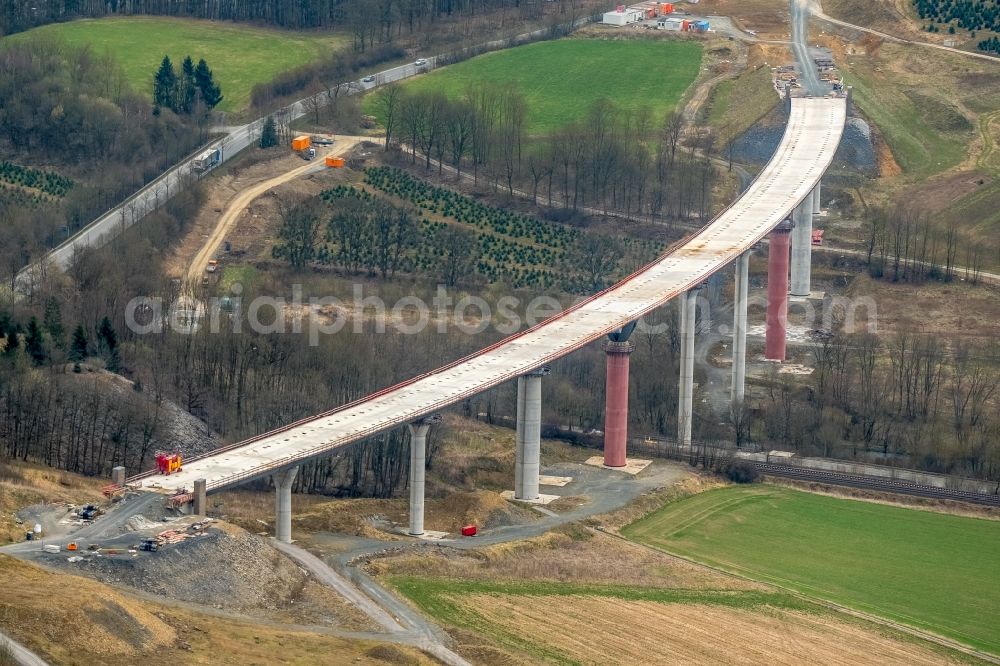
<point x="370" y="20"/>
<point x="73" y="108"/>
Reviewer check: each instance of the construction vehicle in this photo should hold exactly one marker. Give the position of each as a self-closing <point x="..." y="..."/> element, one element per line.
<point x="149" y="545"/>
<point x="213" y="265"/>
<point x="168" y="463"/>
<point x="88" y="512"/>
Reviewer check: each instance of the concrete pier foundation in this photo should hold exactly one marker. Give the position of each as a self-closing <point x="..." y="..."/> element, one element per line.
<point x="118" y="476"/>
<point x="777" y="292"/>
<point x="685" y="399"/>
<point x="740" y="297"/>
<point x="528" y="437"/>
<point x="283" y="503"/>
<point x="801" y="280"/>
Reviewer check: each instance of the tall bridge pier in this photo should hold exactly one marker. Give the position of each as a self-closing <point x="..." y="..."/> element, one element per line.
<point x="528" y="434"/>
<point x="740" y="304"/>
<point x="685" y="395"/>
<point x="617" y="349"/>
<point x="418" y="471"/>
<point x="777" y="292"/>
<point x="283" y="503"/>
<point x="801" y="278"/>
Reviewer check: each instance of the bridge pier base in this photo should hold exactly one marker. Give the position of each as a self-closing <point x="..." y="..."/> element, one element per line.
<point x="200" y="497"/>
<point x="283" y="503"/>
<point x="777" y="292"/>
<point x="528" y="437"/>
<point x="685" y="394"/>
<point x="118" y="476"/>
<point x="740" y="297"/>
<point x="801" y="280"/>
<point x="817" y="209"/>
<point x="617" y="350"/>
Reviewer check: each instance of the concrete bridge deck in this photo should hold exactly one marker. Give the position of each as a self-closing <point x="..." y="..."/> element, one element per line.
<point x="806" y="150"/>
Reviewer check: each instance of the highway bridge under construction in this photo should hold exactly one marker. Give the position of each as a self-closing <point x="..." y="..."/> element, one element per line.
<point x="779" y="203"/>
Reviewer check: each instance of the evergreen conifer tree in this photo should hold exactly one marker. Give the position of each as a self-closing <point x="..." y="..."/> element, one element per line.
<point x="269" y="134"/>
<point x="34" y="343"/>
<point x="211" y="93"/>
<point x="165" y="84"/>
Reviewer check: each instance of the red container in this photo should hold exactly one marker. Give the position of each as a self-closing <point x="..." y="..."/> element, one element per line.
<point x="469" y="530"/>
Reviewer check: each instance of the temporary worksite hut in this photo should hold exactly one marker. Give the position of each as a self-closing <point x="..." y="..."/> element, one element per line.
<point x="669" y="24"/>
<point x="623" y="16"/>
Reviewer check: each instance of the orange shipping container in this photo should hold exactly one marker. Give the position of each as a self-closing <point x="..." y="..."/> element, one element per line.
<point x="667" y="8"/>
<point x="686" y="25"/>
<point x="301" y="143"/>
<point x="335" y="162"/>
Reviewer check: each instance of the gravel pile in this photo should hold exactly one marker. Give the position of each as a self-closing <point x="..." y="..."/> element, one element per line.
<point x="228" y="569"/>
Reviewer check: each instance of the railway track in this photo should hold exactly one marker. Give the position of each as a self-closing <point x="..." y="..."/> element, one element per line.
<point x="874" y="483"/>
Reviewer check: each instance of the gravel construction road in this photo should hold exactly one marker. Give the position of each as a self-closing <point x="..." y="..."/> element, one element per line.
<point x="341" y="147"/>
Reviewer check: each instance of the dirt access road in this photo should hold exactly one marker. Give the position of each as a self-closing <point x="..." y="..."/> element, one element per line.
<point x="230" y="216"/>
<point x="22" y="655"/>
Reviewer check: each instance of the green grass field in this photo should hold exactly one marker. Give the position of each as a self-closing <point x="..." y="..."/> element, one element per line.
<point x="738" y="103"/>
<point x="239" y="55"/>
<point x="933" y="571"/>
<point x="920" y="148"/>
<point x="561" y="79"/>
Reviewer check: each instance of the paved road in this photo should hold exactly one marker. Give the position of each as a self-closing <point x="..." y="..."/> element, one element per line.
<point x="22" y="655"/>
<point x="800" y="37"/>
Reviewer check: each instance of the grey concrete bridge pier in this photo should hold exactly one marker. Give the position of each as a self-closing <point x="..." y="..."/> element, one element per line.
<point x="685" y="400"/>
<point x="200" y="507"/>
<point x="740" y="296"/>
<point x="283" y="503"/>
<point x="801" y="279"/>
<point x="528" y="437"/>
<point x="418" y="471"/>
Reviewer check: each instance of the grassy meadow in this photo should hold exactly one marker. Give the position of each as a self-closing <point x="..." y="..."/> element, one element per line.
<point x="561" y="79"/>
<point x="934" y="571"/>
<point x="241" y="56"/>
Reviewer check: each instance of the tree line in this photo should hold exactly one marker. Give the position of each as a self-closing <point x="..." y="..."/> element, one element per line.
<point x="611" y="160"/>
<point x="903" y="244"/>
<point x="912" y="399"/>
<point x="370" y="21"/>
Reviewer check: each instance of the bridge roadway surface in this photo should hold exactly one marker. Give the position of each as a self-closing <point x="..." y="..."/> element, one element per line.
<point x="806" y="150"/>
